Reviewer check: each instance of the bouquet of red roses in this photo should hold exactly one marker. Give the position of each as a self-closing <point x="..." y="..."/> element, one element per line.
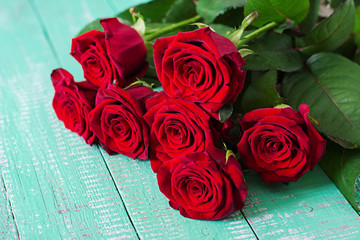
<point x="173" y="87"/>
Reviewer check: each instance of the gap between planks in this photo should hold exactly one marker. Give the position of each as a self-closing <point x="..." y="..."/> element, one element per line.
<point x="117" y="189"/>
<point x="11" y="215"/>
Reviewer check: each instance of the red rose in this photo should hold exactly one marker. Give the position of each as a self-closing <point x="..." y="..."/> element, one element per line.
<point x="280" y="144"/>
<point x="200" y="66"/>
<point x="202" y="185"/>
<point x="177" y="127"/>
<point x="117" y="120"/>
<point x="73" y="102"/>
<point x="126" y="49"/>
<point x="117" y="54"/>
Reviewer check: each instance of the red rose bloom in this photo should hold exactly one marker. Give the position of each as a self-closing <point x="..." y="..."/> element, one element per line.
<point x="117" y="120"/>
<point x="126" y="49"/>
<point x="73" y="102"/>
<point x="202" y="185"/>
<point x="177" y="127"/>
<point x="117" y="54"/>
<point x="280" y="144"/>
<point x="200" y="66"/>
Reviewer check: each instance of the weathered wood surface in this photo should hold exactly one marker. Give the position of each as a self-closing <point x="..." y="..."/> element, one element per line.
<point x="8" y="228"/>
<point x="311" y="208"/>
<point x="54" y="186"/>
<point x="57" y="186"/>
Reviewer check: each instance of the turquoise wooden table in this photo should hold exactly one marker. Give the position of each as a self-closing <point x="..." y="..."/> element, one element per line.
<point x="54" y="186"/>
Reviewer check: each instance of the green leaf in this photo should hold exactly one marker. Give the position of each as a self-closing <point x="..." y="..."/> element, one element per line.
<point x="259" y="92"/>
<point x="202" y="25"/>
<point x="311" y="18"/>
<point x="229" y="153"/>
<point x="347" y="49"/>
<point x="94" y="25"/>
<point x="356" y="30"/>
<point x="139" y="26"/>
<point x="158" y="10"/>
<point x="273" y="51"/>
<point x="225" y="112"/>
<point x="285" y="26"/>
<point x="272" y="41"/>
<point x="210" y="9"/>
<point x="277" y="10"/>
<point x="281" y="106"/>
<point x="343" y="168"/>
<point x="357" y="21"/>
<point x="286" y="61"/>
<point x="227" y="17"/>
<point x="330" y="33"/>
<point x="245" y="51"/>
<point x="153" y="11"/>
<point x="181" y="9"/>
<point x="221" y="29"/>
<point x="335" y="3"/>
<point x="330" y="86"/>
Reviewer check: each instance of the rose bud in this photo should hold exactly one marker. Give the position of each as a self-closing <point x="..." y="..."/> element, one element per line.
<point x="200" y="66"/>
<point x="117" y="120"/>
<point x="73" y="102"/>
<point x="280" y="143"/>
<point x="177" y="127"/>
<point x="203" y="185"/>
<point x="115" y="55"/>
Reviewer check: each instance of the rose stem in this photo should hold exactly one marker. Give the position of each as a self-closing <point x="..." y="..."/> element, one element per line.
<point x="255" y="33"/>
<point x="170" y="28"/>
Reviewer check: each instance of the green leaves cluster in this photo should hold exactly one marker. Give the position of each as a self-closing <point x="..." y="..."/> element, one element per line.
<point x="294" y="55"/>
<point x="277" y="10"/>
<point x="329" y="83"/>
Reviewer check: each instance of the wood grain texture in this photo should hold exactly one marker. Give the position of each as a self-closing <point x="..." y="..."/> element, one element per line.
<point x="8" y="228"/>
<point x="63" y="20"/>
<point x="55" y="185"/>
<point x="149" y="209"/>
<point x="311" y="208"/>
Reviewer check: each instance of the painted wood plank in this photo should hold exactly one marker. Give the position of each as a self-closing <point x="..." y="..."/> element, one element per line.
<point x="61" y="28"/>
<point x="56" y="185"/>
<point x="8" y="228"/>
<point x="153" y="218"/>
<point x="156" y="219"/>
<point x="311" y="208"/>
<point x="151" y="214"/>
